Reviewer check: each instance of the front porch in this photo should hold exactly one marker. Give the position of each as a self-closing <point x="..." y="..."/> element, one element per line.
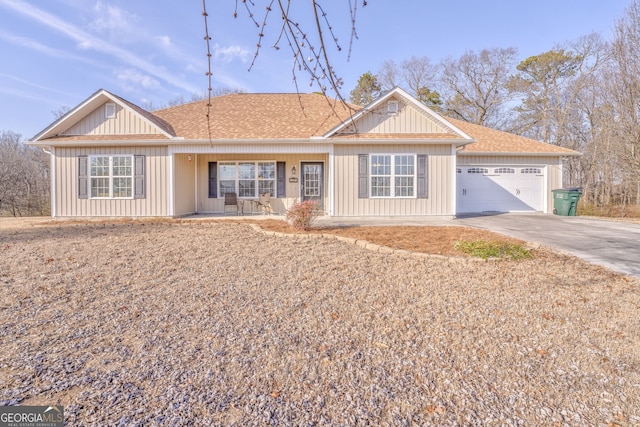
<point x="201" y="180"/>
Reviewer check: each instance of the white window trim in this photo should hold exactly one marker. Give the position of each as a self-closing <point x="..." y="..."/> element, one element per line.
<point x="111" y="176"/>
<point x="393" y="175"/>
<point x="393" y="107"/>
<point x="110" y="110"/>
<point x="237" y="180"/>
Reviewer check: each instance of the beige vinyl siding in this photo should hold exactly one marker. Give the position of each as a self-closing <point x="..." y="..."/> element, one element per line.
<point x="280" y="205"/>
<point x="185" y="187"/>
<point x="126" y="122"/>
<point x="439" y="185"/>
<point x="67" y="203"/>
<point x="407" y="120"/>
<point x="552" y="165"/>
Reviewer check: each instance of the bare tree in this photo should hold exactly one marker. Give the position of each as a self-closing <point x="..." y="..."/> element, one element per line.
<point x="61" y="111"/>
<point x="476" y="86"/>
<point x="625" y="89"/>
<point x="418" y="73"/>
<point x="389" y="75"/>
<point x="24" y="178"/>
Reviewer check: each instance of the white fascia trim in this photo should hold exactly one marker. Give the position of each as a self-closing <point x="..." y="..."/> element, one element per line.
<point x="66" y="116"/>
<point x="432" y="113"/>
<point x="403" y="94"/>
<point x="101" y="143"/>
<point x="419" y="141"/>
<point x="58" y="124"/>
<point x="515" y="154"/>
<point x="246" y="141"/>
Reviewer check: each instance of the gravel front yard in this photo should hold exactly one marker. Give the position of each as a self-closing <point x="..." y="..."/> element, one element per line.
<point x="169" y="323"/>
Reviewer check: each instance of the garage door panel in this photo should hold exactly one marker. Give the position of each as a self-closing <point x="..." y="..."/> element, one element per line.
<point x="499" y="189"/>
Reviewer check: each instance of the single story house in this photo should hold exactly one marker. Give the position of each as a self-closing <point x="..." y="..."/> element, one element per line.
<point x="394" y="157"/>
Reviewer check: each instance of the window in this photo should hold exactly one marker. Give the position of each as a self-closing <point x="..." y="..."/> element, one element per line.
<point x="392" y="108"/>
<point x="110" y="110"/>
<point x="392" y="175"/>
<point x="505" y="170"/>
<point x="531" y="170"/>
<point x="247" y="179"/>
<point x="477" y="170"/>
<point x="111" y="176"/>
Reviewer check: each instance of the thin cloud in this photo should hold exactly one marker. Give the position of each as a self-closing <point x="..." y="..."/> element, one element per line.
<point x="230" y="53"/>
<point x="134" y="76"/>
<point x="113" y="19"/>
<point x="28" y="95"/>
<point x="165" y="41"/>
<point x="88" y="41"/>
<point x="47" y="50"/>
<point x="32" y="84"/>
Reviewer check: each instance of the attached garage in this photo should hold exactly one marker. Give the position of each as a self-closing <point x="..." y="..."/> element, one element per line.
<point x="512" y="188"/>
<point x="502" y="172"/>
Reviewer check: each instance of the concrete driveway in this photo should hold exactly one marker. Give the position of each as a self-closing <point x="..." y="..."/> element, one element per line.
<point x="615" y="245"/>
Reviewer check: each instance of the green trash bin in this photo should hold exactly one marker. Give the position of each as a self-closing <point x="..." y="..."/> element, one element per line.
<point x="565" y="201"/>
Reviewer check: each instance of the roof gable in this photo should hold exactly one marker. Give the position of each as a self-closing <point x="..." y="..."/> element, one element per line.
<point x="397" y="114"/>
<point x="89" y="120"/>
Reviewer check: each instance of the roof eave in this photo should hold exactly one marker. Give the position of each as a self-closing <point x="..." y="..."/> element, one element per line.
<point x="517" y="153"/>
<point x="409" y="141"/>
<point x="105" y="142"/>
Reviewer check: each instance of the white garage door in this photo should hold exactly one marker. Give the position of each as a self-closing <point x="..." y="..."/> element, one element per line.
<point x="500" y="189"/>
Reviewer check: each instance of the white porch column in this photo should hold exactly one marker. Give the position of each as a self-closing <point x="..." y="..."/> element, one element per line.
<point x="331" y="191"/>
<point x="171" y="203"/>
<point x="454" y="180"/>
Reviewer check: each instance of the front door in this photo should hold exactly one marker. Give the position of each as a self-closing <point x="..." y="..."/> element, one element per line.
<point x="311" y="187"/>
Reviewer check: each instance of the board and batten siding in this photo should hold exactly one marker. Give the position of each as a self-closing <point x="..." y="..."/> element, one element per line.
<point x="185" y="184"/>
<point x="407" y="120"/>
<point x="552" y="166"/>
<point x="439" y="183"/>
<point x="125" y="122"/>
<point x="279" y="205"/>
<point x="67" y="203"/>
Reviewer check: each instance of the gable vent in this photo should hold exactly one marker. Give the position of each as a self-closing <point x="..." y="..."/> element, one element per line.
<point x="392" y="108"/>
<point x="110" y="110"/>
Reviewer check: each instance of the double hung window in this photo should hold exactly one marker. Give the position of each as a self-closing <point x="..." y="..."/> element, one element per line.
<point x="111" y="176"/>
<point x="393" y="175"/>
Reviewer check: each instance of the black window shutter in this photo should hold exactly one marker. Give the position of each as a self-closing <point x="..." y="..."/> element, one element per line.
<point x="213" y="180"/>
<point x="138" y="177"/>
<point x="422" y="177"/>
<point x="363" y="176"/>
<point x="83" y="177"/>
<point x="281" y="175"/>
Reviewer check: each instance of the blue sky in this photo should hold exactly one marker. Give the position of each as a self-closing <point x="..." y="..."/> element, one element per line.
<point x="58" y="52"/>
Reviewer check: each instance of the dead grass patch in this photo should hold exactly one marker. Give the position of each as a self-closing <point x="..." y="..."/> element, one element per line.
<point x="439" y="240"/>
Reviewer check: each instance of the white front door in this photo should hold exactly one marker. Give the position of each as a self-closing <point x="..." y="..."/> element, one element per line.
<point x="500" y="188"/>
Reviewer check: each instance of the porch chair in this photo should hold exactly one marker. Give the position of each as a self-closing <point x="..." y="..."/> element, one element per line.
<point x="231" y="200"/>
<point x="264" y="204"/>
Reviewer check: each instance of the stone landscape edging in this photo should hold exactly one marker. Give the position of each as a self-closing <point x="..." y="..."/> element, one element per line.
<point x="370" y="246"/>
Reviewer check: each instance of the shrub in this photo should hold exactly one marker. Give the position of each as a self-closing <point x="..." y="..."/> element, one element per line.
<point x="302" y="214"/>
